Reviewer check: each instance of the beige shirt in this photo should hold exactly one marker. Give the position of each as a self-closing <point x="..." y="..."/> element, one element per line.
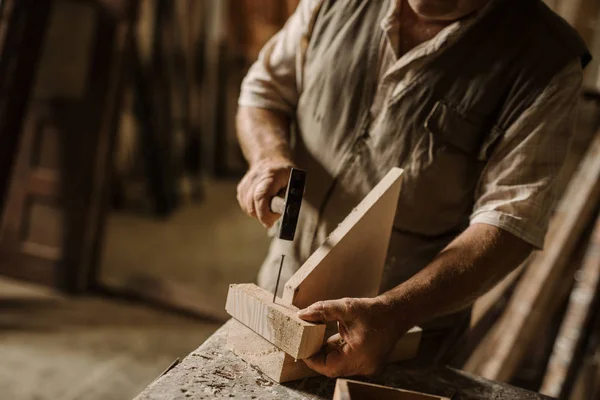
<point x="515" y="191"/>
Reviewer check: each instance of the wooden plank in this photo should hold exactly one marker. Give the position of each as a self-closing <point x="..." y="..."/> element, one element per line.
<point x="499" y="354"/>
<point x="346" y="389"/>
<point x="564" y="359"/>
<point x="277" y="323"/>
<point x="337" y="268"/>
<point x="586" y="383"/>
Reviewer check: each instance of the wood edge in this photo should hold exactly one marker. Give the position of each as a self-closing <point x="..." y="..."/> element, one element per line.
<point x="341" y="391"/>
<point x="286" y="309"/>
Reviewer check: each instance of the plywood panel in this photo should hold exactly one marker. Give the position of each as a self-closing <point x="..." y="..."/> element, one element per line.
<point x="350" y="261"/>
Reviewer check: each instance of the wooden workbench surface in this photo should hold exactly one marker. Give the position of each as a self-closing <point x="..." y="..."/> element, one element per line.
<point x="212" y="371"/>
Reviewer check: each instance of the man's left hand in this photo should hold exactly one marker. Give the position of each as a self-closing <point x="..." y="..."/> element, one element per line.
<point x="367" y="333"/>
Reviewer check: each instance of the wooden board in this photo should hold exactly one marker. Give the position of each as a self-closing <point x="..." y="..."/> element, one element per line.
<point x="277" y="323"/>
<point x="499" y="354"/>
<point x="346" y="389"/>
<point x="563" y="361"/>
<point x="350" y="261"/>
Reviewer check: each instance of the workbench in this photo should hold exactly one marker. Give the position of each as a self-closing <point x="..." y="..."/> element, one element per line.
<point x="212" y="371"/>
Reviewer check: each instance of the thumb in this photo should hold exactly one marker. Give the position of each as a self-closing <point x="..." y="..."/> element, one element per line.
<point x="324" y="311"/>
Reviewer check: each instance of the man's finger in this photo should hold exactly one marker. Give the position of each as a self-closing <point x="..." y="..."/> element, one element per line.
<point x="242" y="189"/>
<point x="324" y="311"/>
<point x="330" y="363"/>
<point x="249" y="201"/>
<point x="264" y="191"/>
<point x="334" y="342"/>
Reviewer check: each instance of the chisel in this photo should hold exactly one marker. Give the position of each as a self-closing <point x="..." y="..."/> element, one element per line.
<point x="289" y="208"/>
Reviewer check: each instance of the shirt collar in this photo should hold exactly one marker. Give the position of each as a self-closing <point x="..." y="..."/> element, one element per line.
<point x="390" y="25"/>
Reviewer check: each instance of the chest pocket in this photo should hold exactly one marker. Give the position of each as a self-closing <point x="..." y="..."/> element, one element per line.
<point x="451" y="128"/>
<point x="442" y="172"/>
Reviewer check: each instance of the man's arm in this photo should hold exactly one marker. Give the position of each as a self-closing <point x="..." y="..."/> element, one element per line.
<point x="263" y="137"/>
<point x="468" y="267"/>
<point x="510" y="217"/>
<point x="268" y="98"/>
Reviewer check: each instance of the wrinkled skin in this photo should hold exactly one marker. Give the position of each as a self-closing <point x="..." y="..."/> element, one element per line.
<point x="445" y="10"/>
<point x="262" y="182"/>
<point x="365" y="336"/>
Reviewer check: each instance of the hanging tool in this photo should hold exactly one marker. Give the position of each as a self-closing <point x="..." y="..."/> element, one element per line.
<point x="289" y="208"/>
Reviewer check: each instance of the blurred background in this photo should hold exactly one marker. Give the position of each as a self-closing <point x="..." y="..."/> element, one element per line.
<point x="120" y="228"/>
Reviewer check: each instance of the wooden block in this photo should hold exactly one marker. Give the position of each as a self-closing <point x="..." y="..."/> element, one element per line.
<point x="346" y="389"/>
<point x="277" y="323"/>
<point x="350" y="261"/>
<point x="281" y="367"/>
<point x="254" y="349"/>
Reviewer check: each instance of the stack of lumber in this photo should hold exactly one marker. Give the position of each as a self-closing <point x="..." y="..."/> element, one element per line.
<point x="546" y="314"/>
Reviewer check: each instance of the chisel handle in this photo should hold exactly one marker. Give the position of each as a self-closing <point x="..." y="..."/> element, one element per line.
<point x="278" y="205"/>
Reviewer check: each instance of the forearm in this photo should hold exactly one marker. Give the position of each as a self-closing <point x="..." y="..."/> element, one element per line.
<point x="263" y="134"/>
<point x="468" y="267"/>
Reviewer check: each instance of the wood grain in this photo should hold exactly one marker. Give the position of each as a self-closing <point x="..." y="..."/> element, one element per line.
<point x="350" y="261"/>
<point x="277" y="323"/>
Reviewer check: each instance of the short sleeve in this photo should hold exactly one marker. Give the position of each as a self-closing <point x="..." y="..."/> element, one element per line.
<point x="272" y="81"/>
<point x="516" y="191"/>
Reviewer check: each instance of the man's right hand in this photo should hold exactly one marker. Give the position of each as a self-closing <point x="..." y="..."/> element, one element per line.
<point x="264" y="180"/>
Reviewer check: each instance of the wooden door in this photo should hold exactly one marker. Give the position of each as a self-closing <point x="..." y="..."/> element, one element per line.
<point x="22" y="28"/>
<point x="53" y="214"/>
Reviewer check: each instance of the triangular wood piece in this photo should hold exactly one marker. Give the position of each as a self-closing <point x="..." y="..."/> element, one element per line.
<point x="350" y="261"/>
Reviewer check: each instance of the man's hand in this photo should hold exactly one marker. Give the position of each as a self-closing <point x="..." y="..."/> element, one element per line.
<point x="261" y="183"/>
<point x="367" y="333"/>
